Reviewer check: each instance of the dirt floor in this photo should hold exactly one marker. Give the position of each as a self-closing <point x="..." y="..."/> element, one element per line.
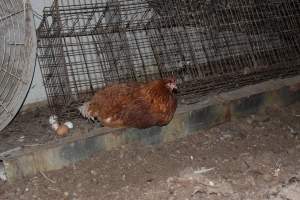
<point x="33" y="128"/>
<point x="253" y="158"/>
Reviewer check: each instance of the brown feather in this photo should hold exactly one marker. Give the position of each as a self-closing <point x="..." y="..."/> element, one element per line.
<point x="134" y="105"/>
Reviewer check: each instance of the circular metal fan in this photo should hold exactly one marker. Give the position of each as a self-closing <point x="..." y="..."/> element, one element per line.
<point x="17" y="56"/>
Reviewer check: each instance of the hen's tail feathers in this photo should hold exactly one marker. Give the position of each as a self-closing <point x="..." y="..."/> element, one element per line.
<point x="84" y="111"/>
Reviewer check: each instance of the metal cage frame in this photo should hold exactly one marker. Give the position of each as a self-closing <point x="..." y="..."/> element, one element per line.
<point x="210" y="46"/>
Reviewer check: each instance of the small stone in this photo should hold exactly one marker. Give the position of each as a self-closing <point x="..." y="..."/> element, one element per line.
<point x="79" y="185"/>
<point x="267" y="177"/>
<point x="66" y="194"/>
<point x="95" y="180"/>
<point x="26" y="189"/>
<point x="276" y="172"/>
<point x="211" y="183"/>
<point x="139" y="158"/>
<point x="21" y="138"/>
<point x="244" y="166"/>
<point x="250" y="180"/>
<point x="226" y="136"/>
<point x="291" y="151"/>
<point x="93" y="172"/>
<point x="121" y="155"/>
<point x="292" y="130"/>
<point x="250" y="121"/>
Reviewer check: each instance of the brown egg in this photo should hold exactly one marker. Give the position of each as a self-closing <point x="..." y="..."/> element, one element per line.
<point x="62" y="130"/>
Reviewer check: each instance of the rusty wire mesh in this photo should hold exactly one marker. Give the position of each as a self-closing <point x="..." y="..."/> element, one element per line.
<point x="211" y="46"/>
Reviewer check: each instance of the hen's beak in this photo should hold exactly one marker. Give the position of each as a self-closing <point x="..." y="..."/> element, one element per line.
<point x="175" y="90"/>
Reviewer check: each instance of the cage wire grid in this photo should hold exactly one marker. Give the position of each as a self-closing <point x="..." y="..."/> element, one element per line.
<point x="17" y="56"/>
<point x="209" y="45"/>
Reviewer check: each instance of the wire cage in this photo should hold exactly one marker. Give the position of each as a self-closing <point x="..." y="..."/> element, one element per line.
<point x="209" y="45"/>
<point x="17" y="56"/>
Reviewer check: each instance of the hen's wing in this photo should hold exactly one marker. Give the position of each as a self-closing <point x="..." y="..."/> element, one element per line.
<point x="138" y="114"/>
<point x="111" y="100"/>
<point x="146" y="112"/>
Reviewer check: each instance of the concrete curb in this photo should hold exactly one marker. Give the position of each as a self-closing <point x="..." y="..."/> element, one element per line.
<point x="189" y="119"/>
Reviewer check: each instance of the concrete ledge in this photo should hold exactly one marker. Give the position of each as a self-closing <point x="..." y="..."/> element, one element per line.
<point x="189" y="119"/>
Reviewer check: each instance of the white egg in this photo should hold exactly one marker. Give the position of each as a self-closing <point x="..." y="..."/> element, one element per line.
<point x="69" y="125"/>
<point x="52" y="119"/>
<point x="55" y="126"/>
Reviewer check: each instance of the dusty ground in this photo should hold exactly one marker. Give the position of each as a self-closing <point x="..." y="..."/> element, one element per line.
<point x="254" y="158"/>
<point x="33" y="128"/>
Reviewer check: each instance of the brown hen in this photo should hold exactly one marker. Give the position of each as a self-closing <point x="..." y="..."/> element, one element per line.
<point x="138" y="105"/>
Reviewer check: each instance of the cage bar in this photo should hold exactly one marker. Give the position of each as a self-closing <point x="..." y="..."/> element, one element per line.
<point x="210" y="46"/>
